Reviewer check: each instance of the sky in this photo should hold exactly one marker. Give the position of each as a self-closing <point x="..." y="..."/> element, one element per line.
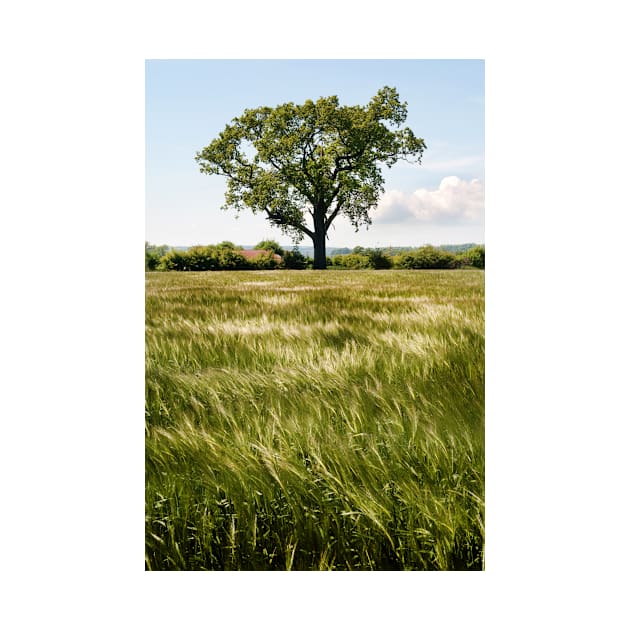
<point x="189" y="102"/>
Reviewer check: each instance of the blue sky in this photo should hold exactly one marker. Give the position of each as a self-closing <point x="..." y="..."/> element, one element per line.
<point x="188" y="102"/>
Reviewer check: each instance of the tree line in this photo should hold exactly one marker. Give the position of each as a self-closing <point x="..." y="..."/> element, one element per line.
<point x="227" y="256"/>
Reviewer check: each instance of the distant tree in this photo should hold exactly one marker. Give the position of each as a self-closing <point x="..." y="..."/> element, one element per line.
<point x="476" y="257"/>
<point x="319" y="159"/>
<point x="271" y="246"/>
<point x="227" y="245"/>
<point x="152" y="255"/>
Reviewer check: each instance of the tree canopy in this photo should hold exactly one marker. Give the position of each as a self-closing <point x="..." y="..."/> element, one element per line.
<point x="319" y="159"/>
<point x="271" y="245"/>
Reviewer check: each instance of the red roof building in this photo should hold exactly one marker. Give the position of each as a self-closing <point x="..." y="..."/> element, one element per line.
<point x="254" y="253"/>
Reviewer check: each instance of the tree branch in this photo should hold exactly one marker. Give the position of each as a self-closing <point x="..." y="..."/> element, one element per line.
<point x="333" y="214"/>
<point x="278" y="219"/>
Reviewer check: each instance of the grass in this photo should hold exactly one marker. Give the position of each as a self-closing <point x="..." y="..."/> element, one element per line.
<point x="315" y="420"/>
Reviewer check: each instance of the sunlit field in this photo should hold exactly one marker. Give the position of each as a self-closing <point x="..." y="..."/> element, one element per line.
<point x="305" y="420"/>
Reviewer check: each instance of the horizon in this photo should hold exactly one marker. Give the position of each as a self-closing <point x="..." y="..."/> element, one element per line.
<point x="188" y="102"/>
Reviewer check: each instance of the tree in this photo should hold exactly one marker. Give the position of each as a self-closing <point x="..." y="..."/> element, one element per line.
<point x="152" y="255"/>
<point x="227" y="245"/>
<point x="273" y="246"/>
<point x="319" y="158"/>
<point x="477" y="256"/>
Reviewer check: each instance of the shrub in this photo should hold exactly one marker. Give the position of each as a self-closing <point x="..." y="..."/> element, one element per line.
<point x="264" y="261"/>
<point x="427" y="258"/>
<point x="201" y="258"/>
<point x="362" y="258"/>
<point x="152" y="255"/>
<point x="231" y="259"/>
<point x="151" y="261"/>
<point x="294" y="259"/>
<point x="351" y="261"/>
<point x="173" y="261"/>
<point x="477" y="256"/>
<point x="397" y="261"/>
<point x="378" y="260"/>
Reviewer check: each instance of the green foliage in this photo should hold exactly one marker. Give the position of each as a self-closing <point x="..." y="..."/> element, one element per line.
<point x="457" y="249"/>
<point x="200" y="258"/>
<point x="339" y="427"/>
<point x="319" y="158"/>
<point x="362" y="258"/>
<point x="225" y="256"/>
<point x="230" y="259"/>
<point x="351" y="261"/>
<point x="151" y="261"/>
<point x="264" y="261"/>
<point x="204" y="258"/>
<point x="152" y="255"/>
<point x="378" y="260"/>
<point x="173" y="261"/>
<point x="427" y="258"/>
<point x="294" y="259"/>
<point x="474" y="257"/>
<point x="270" y="245"/>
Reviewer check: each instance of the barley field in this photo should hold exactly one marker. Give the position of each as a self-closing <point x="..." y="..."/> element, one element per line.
<point x="309" y="420"/>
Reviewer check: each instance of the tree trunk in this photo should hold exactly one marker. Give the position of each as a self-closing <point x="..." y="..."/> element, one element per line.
<point x="319" y="241"/>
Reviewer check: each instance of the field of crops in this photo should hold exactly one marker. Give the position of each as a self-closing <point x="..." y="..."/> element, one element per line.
<point x="312" y="420"/>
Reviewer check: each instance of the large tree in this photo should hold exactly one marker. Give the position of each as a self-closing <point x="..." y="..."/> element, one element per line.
<point x="319" y="159"/>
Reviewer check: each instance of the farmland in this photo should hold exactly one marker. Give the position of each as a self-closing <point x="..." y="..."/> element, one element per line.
<point x="308" y="420"/>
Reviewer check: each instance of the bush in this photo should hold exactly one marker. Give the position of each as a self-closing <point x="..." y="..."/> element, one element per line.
<point x="152" y="255"/>
<point x="477" y="256"/>
<point x="351" y="261"/>
<point x="427" y="258"/>
<point x="473" y="257"/>
<point x="379" y="260"/>
<point x="362" y="258"/>
<point x="151" y="261"/>
<point x="173" y="261"/>
<point x="200" y="258"/>
<point x="203" y="258"/>
<point x="294" y="259"/>
<point x="264" y="261"/>
<point x="231" y="259"/>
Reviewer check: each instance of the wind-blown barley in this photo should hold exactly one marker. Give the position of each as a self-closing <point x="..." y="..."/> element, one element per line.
<point x="315" y="420"/>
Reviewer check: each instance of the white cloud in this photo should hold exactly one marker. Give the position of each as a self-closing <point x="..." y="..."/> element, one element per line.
<point x="455" y="201"/>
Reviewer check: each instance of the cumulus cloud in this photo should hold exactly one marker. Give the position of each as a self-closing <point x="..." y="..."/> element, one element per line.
<point x="455" y="201"/>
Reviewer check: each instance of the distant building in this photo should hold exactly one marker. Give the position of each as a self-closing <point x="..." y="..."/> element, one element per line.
<point x="249" y="254"/>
